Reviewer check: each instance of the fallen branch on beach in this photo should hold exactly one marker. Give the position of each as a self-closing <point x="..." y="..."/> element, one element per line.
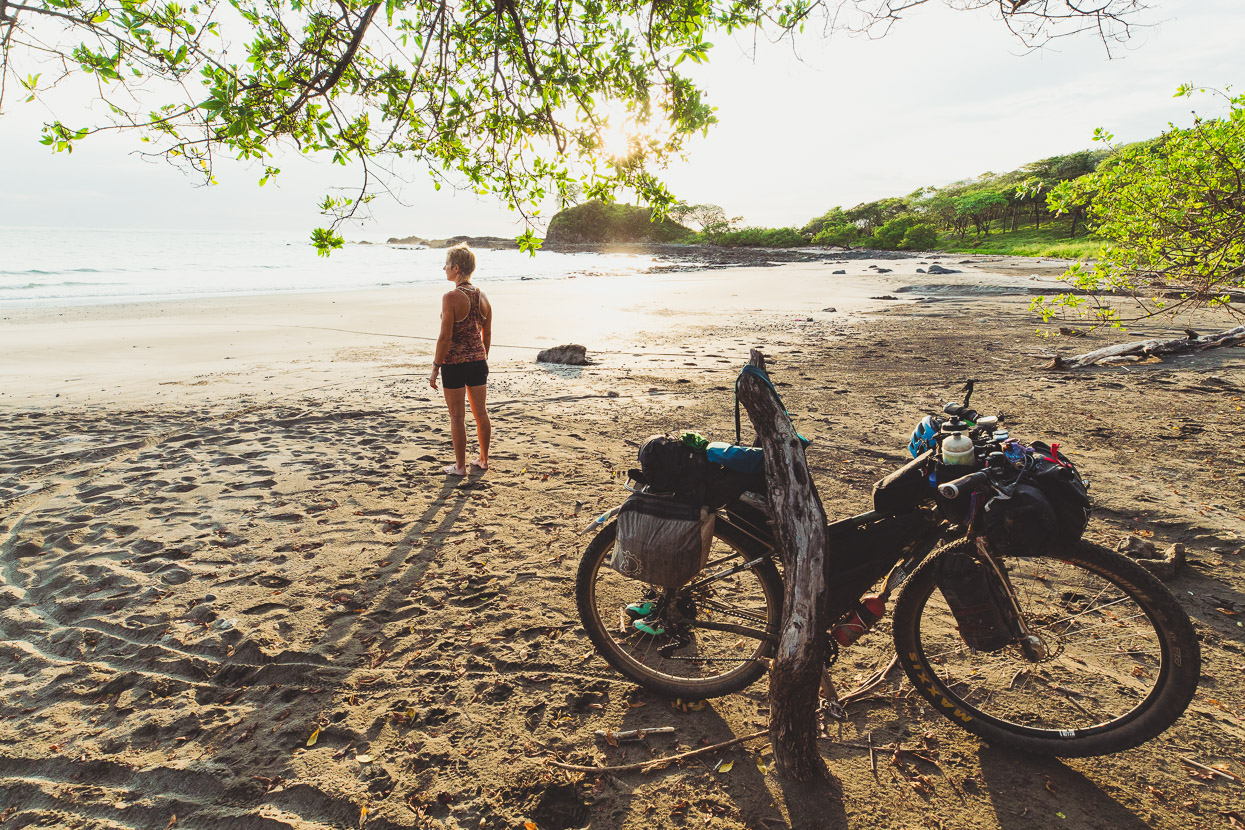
<point x="632" y="734"/>
<point x="654" y="763"/>
<point x="1127" y="352"/>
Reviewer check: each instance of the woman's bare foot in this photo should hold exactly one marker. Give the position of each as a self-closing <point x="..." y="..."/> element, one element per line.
<point x="451" y="470"/>
<point x="480" y="464"/>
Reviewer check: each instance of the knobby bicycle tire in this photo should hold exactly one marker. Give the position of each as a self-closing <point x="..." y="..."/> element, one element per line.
<point x="1123" y="658"/>
<point x="752" y="598"/>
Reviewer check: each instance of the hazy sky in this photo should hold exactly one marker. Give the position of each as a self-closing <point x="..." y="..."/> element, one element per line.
<point x="947" y="95"/>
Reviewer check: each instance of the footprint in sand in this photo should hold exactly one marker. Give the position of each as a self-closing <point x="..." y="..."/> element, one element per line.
<point x="174" y="576"/>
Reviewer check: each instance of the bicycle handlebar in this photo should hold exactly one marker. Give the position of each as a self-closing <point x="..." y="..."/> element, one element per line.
<point x="952" y="489"/>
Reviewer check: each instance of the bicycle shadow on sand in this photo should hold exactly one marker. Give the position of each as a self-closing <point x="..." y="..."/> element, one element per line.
<point x="1028" y="793"/>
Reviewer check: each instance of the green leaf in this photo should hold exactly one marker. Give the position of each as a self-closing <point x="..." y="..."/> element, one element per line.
<point x="326" y="241"/>
<point x="528" y="242"/>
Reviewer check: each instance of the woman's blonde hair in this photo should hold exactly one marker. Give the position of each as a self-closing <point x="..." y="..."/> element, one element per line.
<point x="462" y="257"/>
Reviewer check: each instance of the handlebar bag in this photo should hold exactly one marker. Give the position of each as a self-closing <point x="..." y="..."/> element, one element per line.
<point x="1022" y="524"/>
<point x="661" y="541"/>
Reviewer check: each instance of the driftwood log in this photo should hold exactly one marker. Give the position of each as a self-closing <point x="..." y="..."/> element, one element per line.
<point x="800" y="529"/>
<point x="1151" y="348"/>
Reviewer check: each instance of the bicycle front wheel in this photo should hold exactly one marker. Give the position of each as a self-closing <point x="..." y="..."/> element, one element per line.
<point x="726" y="622"/>
<point x="1120" y="660"/>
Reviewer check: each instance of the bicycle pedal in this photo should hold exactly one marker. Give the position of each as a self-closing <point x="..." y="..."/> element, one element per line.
<point x="640" y="610"/>
<point x="651" y="627"/>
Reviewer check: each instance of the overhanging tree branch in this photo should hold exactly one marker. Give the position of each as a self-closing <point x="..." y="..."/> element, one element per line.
<point x="510" y="109"/>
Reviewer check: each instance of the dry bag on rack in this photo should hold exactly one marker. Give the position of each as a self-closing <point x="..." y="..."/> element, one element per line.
<point x="1068" y="494"/>
<point x="661" y="541"/>
<point x="669" y="466"/>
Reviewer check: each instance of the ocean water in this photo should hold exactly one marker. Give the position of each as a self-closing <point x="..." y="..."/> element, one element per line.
<point x="57" y="266"/>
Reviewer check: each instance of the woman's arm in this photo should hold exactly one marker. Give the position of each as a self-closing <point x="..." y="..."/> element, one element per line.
<point x="486" y="322"/>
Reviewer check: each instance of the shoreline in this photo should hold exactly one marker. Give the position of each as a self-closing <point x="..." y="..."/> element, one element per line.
<point x="662" y="258"/>
<point x="140" y="351"/>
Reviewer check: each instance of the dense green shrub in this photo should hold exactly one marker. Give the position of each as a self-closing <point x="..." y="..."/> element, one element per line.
<point x="761" y="238"/>
<point x="919" y="237"/>
<point x="890" y="235"/>
<point x="840" y="235"/>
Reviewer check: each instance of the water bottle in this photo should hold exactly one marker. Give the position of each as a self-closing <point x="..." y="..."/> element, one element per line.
<point x="957" y="449"/>
<point x="868" y="611"/>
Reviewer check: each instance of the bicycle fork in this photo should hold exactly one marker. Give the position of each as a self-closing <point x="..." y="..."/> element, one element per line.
<point x="1032" y="646"/>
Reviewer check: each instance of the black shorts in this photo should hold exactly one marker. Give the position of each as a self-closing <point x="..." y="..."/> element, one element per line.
<point x="458" y="375"/>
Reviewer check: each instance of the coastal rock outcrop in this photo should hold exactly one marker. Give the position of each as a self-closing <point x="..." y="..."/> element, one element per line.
<point x="486" y="242"/>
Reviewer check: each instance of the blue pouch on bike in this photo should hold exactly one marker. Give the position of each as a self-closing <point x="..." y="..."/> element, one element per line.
<point x="747" y="460"/>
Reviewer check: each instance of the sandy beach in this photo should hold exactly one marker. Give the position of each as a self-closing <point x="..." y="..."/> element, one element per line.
<point x="236" y="592"/>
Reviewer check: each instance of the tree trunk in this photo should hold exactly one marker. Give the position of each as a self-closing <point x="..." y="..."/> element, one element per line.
<point x="800" y="529"/>
<point x="1151" y="348"/>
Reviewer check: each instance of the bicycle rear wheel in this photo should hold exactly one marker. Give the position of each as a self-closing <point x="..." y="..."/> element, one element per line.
<point x="688" y="660"/>
<point x="1121" y="663"/>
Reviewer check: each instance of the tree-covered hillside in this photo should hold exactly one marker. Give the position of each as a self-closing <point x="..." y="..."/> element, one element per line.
<point x="963" y="215"/>
<point x="597" y="221"/>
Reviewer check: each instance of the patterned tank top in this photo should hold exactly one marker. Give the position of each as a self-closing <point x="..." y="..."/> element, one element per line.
<point x="467" y="339"/>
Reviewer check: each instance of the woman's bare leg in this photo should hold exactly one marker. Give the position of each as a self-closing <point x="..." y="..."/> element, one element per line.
<point x="455" y="400"/>
<point x="484" y="427"/>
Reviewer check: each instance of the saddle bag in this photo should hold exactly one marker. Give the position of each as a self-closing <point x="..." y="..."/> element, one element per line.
<point x="661" y="541"/>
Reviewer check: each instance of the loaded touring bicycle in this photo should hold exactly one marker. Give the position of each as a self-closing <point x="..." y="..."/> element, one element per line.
<point x="1004" y="619"/>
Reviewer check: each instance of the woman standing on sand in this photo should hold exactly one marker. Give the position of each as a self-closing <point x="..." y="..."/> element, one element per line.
<point x="462" y="357"/>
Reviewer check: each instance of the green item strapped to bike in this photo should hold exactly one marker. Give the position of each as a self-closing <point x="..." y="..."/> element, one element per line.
<point x="694" y="441"/>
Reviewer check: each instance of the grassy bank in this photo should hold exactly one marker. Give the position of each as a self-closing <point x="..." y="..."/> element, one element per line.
<point x="1051" y="240"/>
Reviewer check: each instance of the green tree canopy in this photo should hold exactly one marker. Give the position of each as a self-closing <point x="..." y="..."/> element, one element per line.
<point x="510" y="98"/>
<point x="980" y="206"/>
<point x="1174" y="210"/>
<point x="709" y="220"/>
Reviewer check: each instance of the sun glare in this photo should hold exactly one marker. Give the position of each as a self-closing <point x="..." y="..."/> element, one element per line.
<point x="619" y="138"/>
<point x="622" y="134"/>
